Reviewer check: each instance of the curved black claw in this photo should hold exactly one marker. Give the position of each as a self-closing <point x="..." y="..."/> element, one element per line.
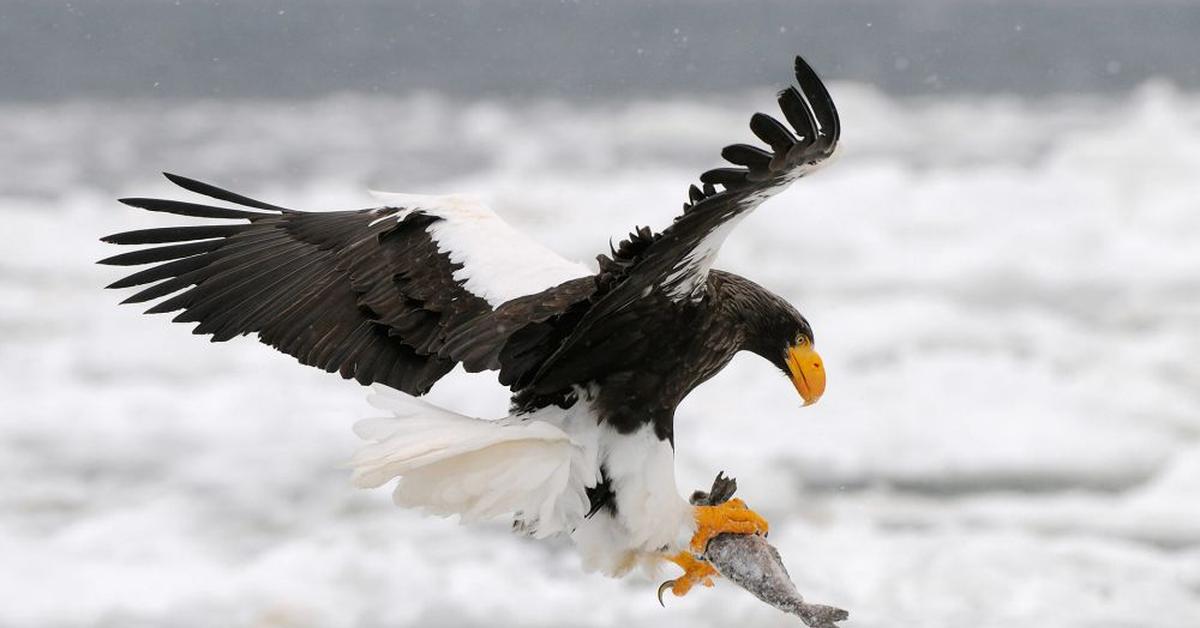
<point x="663" y="587"/>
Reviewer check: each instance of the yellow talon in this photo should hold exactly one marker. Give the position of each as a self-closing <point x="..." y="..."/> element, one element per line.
<point x="733" y="516"/>
<point x="695" y="571"/>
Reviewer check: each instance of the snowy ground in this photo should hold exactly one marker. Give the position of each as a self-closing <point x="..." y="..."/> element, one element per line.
<point x="1006" y="294"/>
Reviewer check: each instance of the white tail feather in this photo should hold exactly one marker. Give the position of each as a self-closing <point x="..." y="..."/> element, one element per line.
<point x="449" y="463"/>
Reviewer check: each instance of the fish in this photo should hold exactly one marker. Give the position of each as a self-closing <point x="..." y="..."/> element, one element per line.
<point x="752" y="563"/>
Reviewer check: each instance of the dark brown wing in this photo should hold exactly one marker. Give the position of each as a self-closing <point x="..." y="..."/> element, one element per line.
<point x="366" y="293"/>
<point x="520" y="334"/>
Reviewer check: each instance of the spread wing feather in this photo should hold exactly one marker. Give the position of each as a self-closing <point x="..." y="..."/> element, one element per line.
<point x="372" y="294"/>
<point x="399" y="294"/>
<point x="649" y="272"/>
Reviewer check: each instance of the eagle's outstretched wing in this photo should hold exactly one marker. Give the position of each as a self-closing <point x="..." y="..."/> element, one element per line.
<point x="677" y="262"/>
<point x="369" y="293"/>
<point x="656" y="270"/>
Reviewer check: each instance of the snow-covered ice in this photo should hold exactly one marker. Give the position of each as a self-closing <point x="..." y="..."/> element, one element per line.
<point x="1006" y="294"/>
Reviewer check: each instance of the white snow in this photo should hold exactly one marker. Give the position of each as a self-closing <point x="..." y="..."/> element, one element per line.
<point x="1005" y="294"/>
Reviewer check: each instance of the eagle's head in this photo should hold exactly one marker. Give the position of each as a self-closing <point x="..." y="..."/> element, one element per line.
<point x="783" y="336"/>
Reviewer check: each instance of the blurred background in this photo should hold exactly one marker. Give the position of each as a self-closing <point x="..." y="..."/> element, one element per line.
<point x="1002" y="269"/>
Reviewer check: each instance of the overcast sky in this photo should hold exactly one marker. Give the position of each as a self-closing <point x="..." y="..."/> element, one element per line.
<point x="51" y="49"/>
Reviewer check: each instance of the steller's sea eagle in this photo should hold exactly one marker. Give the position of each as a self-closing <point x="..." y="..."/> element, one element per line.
<point x="597" y="362"/>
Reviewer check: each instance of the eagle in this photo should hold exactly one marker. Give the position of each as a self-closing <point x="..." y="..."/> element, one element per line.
<point x="597" y="359"/>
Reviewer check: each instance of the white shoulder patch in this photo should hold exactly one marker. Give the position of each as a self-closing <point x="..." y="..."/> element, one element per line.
<point x="499" y="263"/>
<point x="689" y="277"/>
<point x="687" y="280"/>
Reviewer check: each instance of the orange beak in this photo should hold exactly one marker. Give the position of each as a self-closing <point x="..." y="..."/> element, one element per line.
<point x="808" y="372"/>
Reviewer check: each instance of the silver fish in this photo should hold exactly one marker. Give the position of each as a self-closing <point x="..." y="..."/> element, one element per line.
<point x="752" y="563"/>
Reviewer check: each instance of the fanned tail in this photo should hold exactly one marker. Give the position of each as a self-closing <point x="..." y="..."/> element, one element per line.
<point x="448" y="463"/>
